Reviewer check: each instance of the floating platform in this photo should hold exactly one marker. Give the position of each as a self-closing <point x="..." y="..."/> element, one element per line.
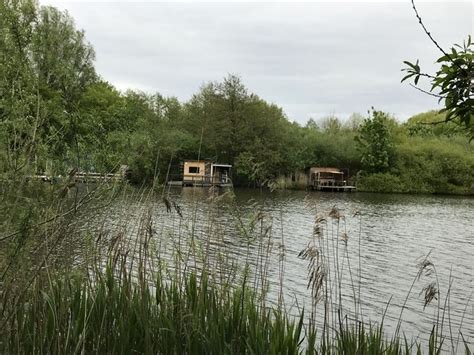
<point x="344" y="188"/>
<point x="199" y="183"/>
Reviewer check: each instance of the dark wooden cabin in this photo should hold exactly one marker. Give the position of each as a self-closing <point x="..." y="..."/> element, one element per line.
<point x="328" y="179"/>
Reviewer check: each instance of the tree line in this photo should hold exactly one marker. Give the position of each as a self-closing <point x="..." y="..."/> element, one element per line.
<point x="57" y="113"/>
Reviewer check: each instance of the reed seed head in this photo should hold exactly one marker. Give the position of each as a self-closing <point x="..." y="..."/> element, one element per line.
<point x="431" y="293"/>
<point x="425" y="267"/>
<point x="345" y="238"/>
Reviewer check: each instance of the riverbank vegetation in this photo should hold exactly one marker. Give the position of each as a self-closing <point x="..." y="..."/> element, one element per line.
<point x="57" y="113"/>
<point x="130" y="284"/>
<point x="82" y="273"/>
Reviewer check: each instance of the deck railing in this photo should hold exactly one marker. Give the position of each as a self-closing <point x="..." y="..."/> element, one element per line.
<point x="330" y="182"/>
<point x="206" y="179"/>
<point x="198" y="179"/>
<point x="80" y="176"/>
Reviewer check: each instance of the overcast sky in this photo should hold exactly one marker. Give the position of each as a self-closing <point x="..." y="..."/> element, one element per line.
<point x="311" y="58"/>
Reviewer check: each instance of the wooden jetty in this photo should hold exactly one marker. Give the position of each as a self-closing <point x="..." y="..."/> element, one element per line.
<point x="328" y="179"/>
<point x="84" y="177"/>
<point x="204" y="173"/>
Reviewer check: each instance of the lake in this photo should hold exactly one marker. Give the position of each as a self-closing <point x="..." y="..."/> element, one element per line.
<point x="381" y="237"/>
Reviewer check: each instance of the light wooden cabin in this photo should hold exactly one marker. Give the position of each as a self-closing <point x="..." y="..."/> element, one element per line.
<point x="206" y="173"/>
<point x="195" y="170"/>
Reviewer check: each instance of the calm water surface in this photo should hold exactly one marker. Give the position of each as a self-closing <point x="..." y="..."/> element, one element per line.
<point x="392" y="232"/>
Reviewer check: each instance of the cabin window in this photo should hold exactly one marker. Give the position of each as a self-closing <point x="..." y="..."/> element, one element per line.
<point x="194" y="169"/>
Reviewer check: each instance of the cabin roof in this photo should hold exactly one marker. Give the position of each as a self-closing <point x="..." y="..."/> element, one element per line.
<point x="327" y="170"/>
<point x="208" y="162"/>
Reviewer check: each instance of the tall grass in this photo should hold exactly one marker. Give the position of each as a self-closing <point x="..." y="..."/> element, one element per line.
<point x="142" y="288"/>
<point x="114" y="314"/>
<point x="297" y="181"/>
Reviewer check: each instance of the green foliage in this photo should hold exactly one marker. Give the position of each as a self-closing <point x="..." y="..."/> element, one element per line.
<point x="426" y="165"/>
<point x="380" y="182"/>
<point x="191" y="314"/>
<point x="55" y="114"/>
<point x="435" y="166"/>
<point x="62" y="59"/>
<point x="252" y="169"/>
<point x="239" y="128"/>
<point x="375" y="142"/>
<point x="17" y="84"/>
<point x="127" y="295"/>
<point x="432" y="123"/>
<point x="452" y="83"/>
<point x="45" y="67"/>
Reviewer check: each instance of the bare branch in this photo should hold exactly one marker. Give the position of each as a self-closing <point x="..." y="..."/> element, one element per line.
<point x="427" y="75"/>
<point x="428" y="33"/>
<point x="435" y="122"/>
<point x="427" y="92"/>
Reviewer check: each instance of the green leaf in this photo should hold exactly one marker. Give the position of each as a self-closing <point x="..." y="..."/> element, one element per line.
<point x="407" y="76"/>
<point x="410" y="64"/>
<point x="444" y="58"/>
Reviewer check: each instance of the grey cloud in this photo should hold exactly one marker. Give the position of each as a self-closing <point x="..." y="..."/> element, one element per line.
<point x="313" y="59"/>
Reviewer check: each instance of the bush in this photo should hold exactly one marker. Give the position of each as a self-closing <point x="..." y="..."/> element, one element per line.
<point x="380" y="182"/>
<point x="435" y="166"/>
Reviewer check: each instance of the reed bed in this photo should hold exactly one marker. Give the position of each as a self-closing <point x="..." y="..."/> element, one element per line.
<point x="69" y="287"/>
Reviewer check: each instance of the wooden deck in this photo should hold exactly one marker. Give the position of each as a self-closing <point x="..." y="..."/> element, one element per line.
<point x="343" y="188"/>
<point x="199" y="181"/>
<point x="80" y="177"/>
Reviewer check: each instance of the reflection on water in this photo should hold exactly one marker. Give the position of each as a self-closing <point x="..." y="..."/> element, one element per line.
<point x="391" y="232"/>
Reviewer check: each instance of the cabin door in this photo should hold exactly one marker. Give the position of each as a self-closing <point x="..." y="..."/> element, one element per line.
<point x="216" y="175"/>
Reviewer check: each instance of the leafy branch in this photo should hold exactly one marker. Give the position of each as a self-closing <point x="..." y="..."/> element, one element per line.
<point x="454" y="80"/>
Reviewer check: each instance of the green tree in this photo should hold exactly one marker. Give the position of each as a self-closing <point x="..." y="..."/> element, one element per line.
<point x="231" y="125"/>
<point x="63" y="63"/>
<point x="45" y="67"/>
<point x="330" y="124"/>
<point x="425" y="125"/>
<point x="218" y="114"/>
<point x="102" y="115"/>
<point x="62" y="58"/>
<point x="376" y="144"/>
<point x="19" y="100"/>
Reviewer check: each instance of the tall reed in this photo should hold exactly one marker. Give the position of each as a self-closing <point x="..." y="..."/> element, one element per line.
<point x="145" y="279"/>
